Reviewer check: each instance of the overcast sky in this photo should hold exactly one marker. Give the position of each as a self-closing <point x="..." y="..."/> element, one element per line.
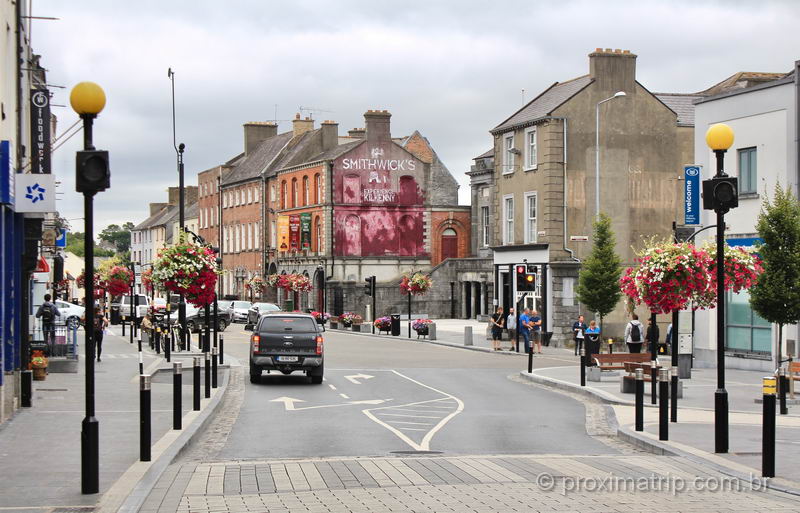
<point x="452" y="70"/>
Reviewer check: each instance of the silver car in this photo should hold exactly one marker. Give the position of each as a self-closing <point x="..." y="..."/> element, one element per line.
<point x="239" y="309"/>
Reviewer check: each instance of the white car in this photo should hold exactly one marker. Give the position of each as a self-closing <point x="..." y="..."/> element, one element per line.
<point x="68" y="313"/>
<point x="240" y="309"/>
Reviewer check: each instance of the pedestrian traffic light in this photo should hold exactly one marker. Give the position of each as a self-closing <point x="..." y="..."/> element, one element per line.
<point x="58" y="268"/>
<point x="369" y="288"/>
<point x="92" y="173"/>
<point x="531" y="269"/>
<point x="720" y="194"/>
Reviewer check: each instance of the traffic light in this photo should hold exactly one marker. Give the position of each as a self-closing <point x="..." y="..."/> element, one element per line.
<point x="369" y="288"/>
<point x="520" y="273"/>
<point x="92" y="173"/>
<point x="526" y="278"/>
<point x="721" y="194"/>
<point x="58" y="268"/>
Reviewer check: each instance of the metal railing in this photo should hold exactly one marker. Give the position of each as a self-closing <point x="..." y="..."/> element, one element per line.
<point x="60" y="340"/>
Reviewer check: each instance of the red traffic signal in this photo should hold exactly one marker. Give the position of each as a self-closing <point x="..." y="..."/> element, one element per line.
<point x="520" y="269"/>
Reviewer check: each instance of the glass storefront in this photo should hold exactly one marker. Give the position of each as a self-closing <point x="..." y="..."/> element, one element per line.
<point x="747" y="332"/>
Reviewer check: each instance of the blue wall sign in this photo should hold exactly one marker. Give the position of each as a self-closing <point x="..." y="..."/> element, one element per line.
<point x="691" y="195"/>
<point x="6" y="174"/>
<point x="61" y="239"/>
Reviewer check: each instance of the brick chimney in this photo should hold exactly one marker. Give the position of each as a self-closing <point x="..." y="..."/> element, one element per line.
<point x="189" y="192"/>
<point x="613" y="70"/>
<point x="377" y="125"/>
<point x="301" y="126"/>
<point x="256" y="132"/>
<point x="155" y="207"/>
<point x="330" y="135"/>
<point x="358" y="133"/>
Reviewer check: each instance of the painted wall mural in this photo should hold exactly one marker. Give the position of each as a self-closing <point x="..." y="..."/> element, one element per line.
<point x="379" y="186"/>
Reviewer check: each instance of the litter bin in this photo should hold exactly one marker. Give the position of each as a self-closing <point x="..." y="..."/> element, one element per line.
<point x="395" y="325"/>
<point x="546" y="336"/>
<point x="115" y="315"/>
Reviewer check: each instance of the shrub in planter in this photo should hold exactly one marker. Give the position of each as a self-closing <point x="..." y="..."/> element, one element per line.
<point x="421" y="326"/>
<point x="350" y="318"/>
<point x="321" y="317"/>
<point x="383" y="324"/>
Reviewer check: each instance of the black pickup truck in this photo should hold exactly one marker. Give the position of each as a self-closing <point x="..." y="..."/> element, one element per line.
<point x="287" y="342"/>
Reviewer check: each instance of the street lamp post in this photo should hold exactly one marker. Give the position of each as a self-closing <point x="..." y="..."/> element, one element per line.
<point x="720" y="195"/>
<point x="91" y="176"/>
<point x="619" y="94"/>
<point x="185" y="341"/>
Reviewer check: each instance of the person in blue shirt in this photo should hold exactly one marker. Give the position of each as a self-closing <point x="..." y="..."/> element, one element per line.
<point x="536" y="329"/>
<point x="524" y="328"/>
<point x="592" y="341"/>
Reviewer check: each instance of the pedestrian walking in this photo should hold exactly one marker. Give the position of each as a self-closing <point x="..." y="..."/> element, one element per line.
<point x="497" y="321"/>
<point x="511" y="326"/>
<point x="592" y="339"/>
<point x="536" y="330"/>
<point x="578" y="330"/>
<point x="652" y="336"/>
<point x="48" y="312"/>
<point x="634" y="334"/>
<point x="524" y="328"/>
<point x="98" y="328"/>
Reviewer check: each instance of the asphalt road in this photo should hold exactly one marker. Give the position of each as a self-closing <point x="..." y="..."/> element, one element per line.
<point x="382" y="395"/>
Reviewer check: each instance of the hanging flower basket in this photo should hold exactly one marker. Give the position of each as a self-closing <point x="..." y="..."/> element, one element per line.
<point x="189" y="269"/>
<point x="320" y="317"/>
<point x="350" y="318"/>
<point x="272" y="280"/>
<point x="742" y="267"/>
<point x="147" y="279"/>
<point x="383" y="324"/>
<point x="295" y="282"/>
<point x="99" y="284"/>
<point x="118" y="280"/>
<point x="256" y="284"/>
<point x="417" y="284"/>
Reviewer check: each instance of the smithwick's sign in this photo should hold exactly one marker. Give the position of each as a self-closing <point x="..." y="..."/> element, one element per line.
<point x="40" y="131"/>
<point x="379" y="164"/>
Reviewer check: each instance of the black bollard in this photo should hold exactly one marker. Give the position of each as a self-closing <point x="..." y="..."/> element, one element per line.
<point x="653" y="380"/>
<point x="673" y="398"/>
<point x="177" y="395"/>
<point x="639" y="399"/>
<point x="123" y="325"/>
<point x="144" y="417"/>
<point x="530" y="360"/>
<point x="784" y="386"/>
<point x="214" y="367"/>
<point x="663" y="404"/>
<point x="768" y="431"/>
<point x="196" y="379"/>
<point x="26" y="388"/>
<point x="141" y="356"/>
<point x="583" y="367"/>
<point x="208" y="375"/>
<point x="221" y="347"/>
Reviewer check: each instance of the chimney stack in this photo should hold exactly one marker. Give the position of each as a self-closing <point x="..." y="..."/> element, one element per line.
<point x="301" y="126"/>
<point x="330" y="135"/>
<point x="357" y="133"/>
<point x="256" y="132"/>
<point x="613" y="70"/>
<point x="190" y="195"/>
<point x="377" y="125"/>
<point x="155" y="207"/>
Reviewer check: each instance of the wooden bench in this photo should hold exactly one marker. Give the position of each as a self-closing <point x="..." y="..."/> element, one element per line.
<point x="616" y="361"/>
<point x="632" y="367"/>
<point x="627" y="385"/>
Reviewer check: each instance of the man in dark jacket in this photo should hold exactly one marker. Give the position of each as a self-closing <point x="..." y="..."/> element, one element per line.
<point x="578" y="333"/>
<point x="48" y="312"/>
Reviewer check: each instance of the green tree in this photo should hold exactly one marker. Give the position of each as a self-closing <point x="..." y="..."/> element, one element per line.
<point x="776" y="296"/>
<point x="75" y="245"/>
<point x="598" y="282"/>
<point x="119" y="236"/>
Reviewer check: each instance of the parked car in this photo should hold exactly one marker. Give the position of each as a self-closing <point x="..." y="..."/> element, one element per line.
<point x="68" y="313"/>
<point x="287" y="342"/>
<point x="159" y="303"/>
<point x="122" y="307"/>
<point x="196" y="318"/>
<point x="257" y="309"/>
<point x="239" y="309"/>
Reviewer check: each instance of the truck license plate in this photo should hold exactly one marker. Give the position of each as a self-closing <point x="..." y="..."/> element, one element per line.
<point x="287" y="358"/>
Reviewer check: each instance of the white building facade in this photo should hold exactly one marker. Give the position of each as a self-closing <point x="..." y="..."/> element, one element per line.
<point x="765" y="151"/>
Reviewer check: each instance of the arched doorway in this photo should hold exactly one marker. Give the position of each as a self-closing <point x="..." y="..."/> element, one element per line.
<point x="449" y="244"/>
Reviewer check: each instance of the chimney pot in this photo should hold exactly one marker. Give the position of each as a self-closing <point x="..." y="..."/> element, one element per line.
<point x="598" y="50"/>
<point x="608" y="50"/>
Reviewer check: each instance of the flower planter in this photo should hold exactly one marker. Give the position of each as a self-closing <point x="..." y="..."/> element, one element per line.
<point x="334" y="325"/>
<point x="422" y="332"/>
<point x="347" y="324"/>
<point x="357" y="327"/>
<point x="39" y="373"/>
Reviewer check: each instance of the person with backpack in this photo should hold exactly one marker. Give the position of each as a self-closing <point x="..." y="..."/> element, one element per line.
<point x="48" y="312"/>
<point x="99" y="325"/>
<point x="633" y="334"/>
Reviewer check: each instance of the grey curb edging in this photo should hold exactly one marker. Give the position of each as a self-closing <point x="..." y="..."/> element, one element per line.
<point x="140" y="492"/>
<point x="643" y="442"/>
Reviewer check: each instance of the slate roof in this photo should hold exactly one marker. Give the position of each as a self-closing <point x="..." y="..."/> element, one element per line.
<point x="489" y="153"/>
<point x="252" y="165"/>
<point x="544" y="104"/>
<point x="681" y="104"/>
<point x="336" y="152"/>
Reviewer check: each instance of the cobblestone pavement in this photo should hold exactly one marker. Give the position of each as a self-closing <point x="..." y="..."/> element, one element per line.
<point x="479" y="484"/>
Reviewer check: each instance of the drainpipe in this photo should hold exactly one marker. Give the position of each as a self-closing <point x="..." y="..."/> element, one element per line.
<point x="564" y="206"/>
<point x="797" y="120"/>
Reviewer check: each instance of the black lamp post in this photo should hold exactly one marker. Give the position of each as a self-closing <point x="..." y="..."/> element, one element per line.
<point x="91" y="176"/>
<point x="720" y="194"/>
<point x="185" y="341"/>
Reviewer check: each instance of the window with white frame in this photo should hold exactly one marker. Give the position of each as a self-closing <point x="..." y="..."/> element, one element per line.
<point x="508" y="219"/>
<point x="224" y="200"/>
<point x="530" y="217"/>
<point x="306" y="191"/>
<point x="530" y="148"/>
<point x="249" y="195"/>
<point x="256" y="194"/>
<point x="485" y="226"/>
<point x="319" y="188"/>
<point x="273" y="235"/>
<point x="509" y="154"/>
<point x="272" y="194"/>
<point x="257" y="240"/>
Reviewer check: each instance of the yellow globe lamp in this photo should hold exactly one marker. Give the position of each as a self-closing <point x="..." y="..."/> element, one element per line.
<point x="719" y="137"/>
<point x="87" y="99"/>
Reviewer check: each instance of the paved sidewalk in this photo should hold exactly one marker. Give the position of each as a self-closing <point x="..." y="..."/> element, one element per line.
<point x="40" y="446"/>
<point x="693" y="434"/>
<point x="459" y="484"/>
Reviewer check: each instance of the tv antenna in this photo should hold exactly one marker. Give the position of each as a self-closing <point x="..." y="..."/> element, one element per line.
<point x="311" y="110"/>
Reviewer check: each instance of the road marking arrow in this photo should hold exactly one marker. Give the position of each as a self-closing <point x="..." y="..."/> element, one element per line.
<point x="288" y="402"/>
<point x="355" y="377"/>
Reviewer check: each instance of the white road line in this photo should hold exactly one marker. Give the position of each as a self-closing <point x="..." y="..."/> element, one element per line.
<point x="412" y="429"/>
<point x="332" y="387"/>
<point x="421" y="423"/>
<point x="404" y="415"/>
<point x="345" y="396"/>
<point x="416" y="411"/>
<point x="426" y="440"/>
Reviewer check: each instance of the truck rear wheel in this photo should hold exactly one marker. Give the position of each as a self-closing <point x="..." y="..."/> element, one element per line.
<point x="255" y="374"/>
